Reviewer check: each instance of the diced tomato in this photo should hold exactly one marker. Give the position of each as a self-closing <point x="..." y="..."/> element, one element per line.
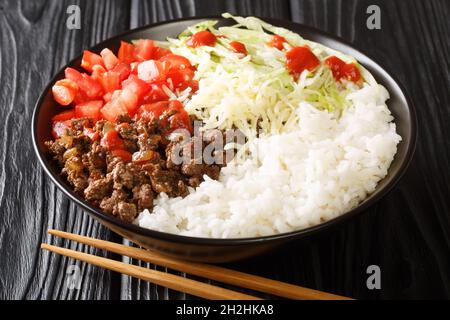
<point x="91" y="133"/>
<point x="116" y="94"/>
<point x="123" y="70"/>
<point x="277" y="42"/>
<point x="134" y="67"/>
<point x="126" y="52"/>
<point x="155" y="94"/>
<point x="91" y="59"/>
<point x="193" y="84"/>
<point x="152" y="70"/>
<point x="175" y="61"/>
<point x="179" y="118"/>
<point x="112" y="141"/>
<point x="144" y="49"/>
<point x="179" y="79"/>
<point x="152" y="111"/>
<point x="92" y="88"/>
<point x="109" y="59"/>
<point x="238" y="47"/>
<point x="159" y="52"/>
<point x="85" y="83"/>
<point x="113" y="109"/>
<point x="73" y="74"/>
<point x="97" y="72"/>
<point x="89" y="109"/>
<point x="59" y="127"/>
<point x="107" y="97"/>
<point x="128" y="98"/>
<point x="299" y="59"/>
<point x="64" y="91"/>
<point x="171" y="114"/>
<point x="201" y="38"/>
<point x="81" y="97"/>
<point x="123" y="154"/>
<point x="138" y="86"/>
<point x="110" y="81"/>
<point x="340" y="69"/>
<point x="64" y="116"/>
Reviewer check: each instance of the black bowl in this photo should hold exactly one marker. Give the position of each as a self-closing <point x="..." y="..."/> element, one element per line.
<point x="225" y="250"/>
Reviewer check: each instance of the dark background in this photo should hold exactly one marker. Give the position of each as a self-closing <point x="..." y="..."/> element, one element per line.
<point x="407" y="234"/>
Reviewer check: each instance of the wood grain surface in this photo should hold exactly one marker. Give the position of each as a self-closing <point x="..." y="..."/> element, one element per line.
<point x="407" y="234"/>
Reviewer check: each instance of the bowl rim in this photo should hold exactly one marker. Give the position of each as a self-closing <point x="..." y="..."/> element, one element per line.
<point x="186" y="240"/>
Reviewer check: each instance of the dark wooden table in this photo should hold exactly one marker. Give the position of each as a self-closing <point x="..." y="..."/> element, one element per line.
<point x="407" y="234"/>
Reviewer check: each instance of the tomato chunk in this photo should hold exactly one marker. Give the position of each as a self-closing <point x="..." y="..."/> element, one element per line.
<point x="170" y="114"/>
<point x="110" y="81"/>
<point x="113" y="109"/>
<point x="89" y="109"/>
<point x="112" y="141"/>
<point x="175" y="61"/>
<point x="123" y="154"/>
<point x="123" y="69"/>
<point x="159" y="52"/>
<point x="155" y="94"/>
<point x="73" y="74"/>
<point x="144" y="49"/>
<point x="129" y="100"/>
<point x="91" y="59"/>
<point x="138" y="86"/>
<point x="277" y="42"/>
<point x="126" y="52"/>
<point x="178" y="117"/>
<point x="64" y="91"/>
<point x="202" y="38"/>
<point x="97" y="72"/>
<point x="151" y="70"/>
<point x="238" y="47"/>
<point x="92" y="88"/>
<point x="299" y="59"/>
<point x="89" y="86"/>
<point x="179" y="79"/>
<point x="109" y="58"/>
<point x="65" y="115"/>
<point x="152" y="111"/>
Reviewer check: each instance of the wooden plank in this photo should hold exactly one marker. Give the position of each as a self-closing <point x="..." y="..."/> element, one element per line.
<point x="151" y="11"/>
<point x="35" y="43"/>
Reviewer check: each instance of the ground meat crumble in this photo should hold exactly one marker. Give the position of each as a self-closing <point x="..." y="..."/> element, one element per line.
<point x="118" y="186"/>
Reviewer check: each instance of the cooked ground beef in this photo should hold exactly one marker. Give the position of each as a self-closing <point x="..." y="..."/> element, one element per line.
<point x="115" y="184"/>
<point x="125" y="211"/>
<point x="143" y="196"/>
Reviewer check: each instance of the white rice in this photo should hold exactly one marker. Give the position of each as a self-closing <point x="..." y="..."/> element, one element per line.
<point x="292" y="180"/>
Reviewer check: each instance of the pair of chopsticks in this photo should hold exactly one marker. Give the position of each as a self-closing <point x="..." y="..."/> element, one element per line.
<point x="196" y="288"/>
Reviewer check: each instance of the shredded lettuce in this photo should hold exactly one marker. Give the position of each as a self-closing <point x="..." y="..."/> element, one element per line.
<point x="256" y="92"/>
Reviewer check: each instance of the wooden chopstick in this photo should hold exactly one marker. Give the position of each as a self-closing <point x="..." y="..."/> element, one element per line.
<point x="168" y="280"/>
<point x="239" y="279"/>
